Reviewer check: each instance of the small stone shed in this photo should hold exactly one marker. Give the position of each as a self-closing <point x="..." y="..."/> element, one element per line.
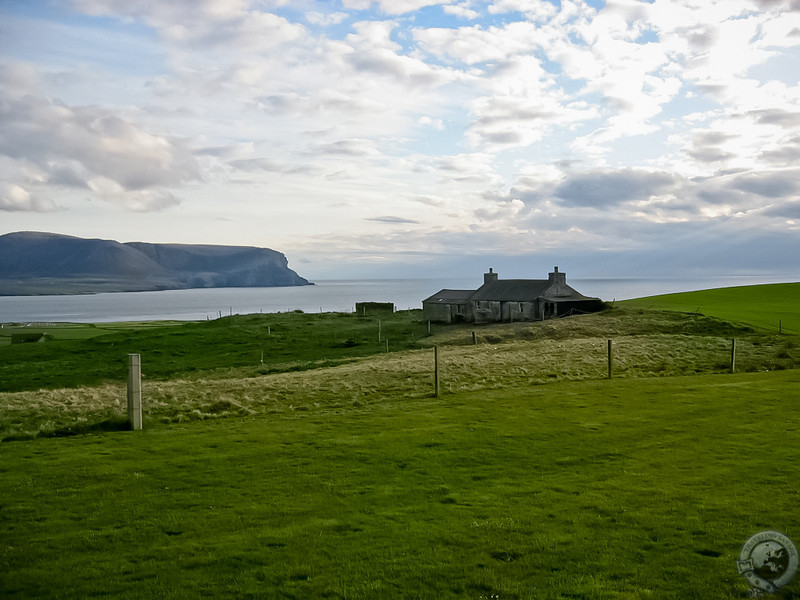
<point x="507" y="300"/>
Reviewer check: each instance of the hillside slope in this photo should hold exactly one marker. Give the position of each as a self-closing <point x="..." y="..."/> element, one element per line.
<point x="770" y="307"/>
<point x="46" y="263"/>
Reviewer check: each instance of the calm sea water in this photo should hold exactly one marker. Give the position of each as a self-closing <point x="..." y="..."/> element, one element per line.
<point x="325" y="296"/>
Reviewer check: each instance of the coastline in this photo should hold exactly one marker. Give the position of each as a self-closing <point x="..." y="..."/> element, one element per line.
<point x="338" y="295"/>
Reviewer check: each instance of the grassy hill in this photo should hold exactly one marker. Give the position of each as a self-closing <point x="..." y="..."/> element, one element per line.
<point x="768" y="307"/>
<point x="331" y="471"/>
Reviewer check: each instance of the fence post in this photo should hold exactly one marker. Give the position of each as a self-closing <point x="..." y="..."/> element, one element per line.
<point x="135" y="391"/>
<point x="610" y="359"/>
<point x="733" y="355"/>
<point x="474" y="339"/>
<point x="436" y="371"/>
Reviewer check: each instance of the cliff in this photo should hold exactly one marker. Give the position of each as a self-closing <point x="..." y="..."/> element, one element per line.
<point x="33" y="263"/>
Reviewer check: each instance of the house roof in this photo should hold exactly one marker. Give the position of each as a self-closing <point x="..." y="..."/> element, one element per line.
<point x="553" y="289"/>
<point x="512" y="290"/>
<point x="450" y="296"/>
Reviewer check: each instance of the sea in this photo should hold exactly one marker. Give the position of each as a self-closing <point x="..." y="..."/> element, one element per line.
<point x="334" y="295"/>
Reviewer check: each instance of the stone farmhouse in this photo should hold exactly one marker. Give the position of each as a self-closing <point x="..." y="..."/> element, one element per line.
<point x="508" y="300"/>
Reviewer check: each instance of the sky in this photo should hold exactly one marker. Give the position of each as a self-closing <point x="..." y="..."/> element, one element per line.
<point x="397" y="138"/>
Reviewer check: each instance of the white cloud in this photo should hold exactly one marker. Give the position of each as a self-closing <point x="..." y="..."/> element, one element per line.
<point x="533" y="9"/>
<point x="325" y="19"/>
<point x="437" y="124"/>
<point x="15" y="198"/>
<point x="462" y="10"/>
<point x="472" y="45"/>
<point x="88" y="147"/>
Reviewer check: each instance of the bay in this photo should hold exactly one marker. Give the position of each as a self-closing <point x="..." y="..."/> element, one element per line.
<point x="325" y="296"/>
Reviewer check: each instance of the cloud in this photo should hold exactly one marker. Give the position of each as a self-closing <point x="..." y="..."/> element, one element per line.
<point x="784" y="153"/>
<point x="392" y="7"/>
<point x="374" y="52"/>
<point x="14" y="198"/>
<point x="350" y="147"/>
<point x="462" y="11"/>
<point x="705" y="146"/>
<point x="777" y="117"/>
<point x="325" y="19"/>
<point x="608" y="188"/>
<point x="476" y="44"/>
<point x="437" y="124"/>
<point x="220" y="24"/>
<point x="785" y="210"/>
<point x="90" y="148"/>
<point x="392" y="220"/>
<point x="533" y="9"/>
<point x="770" y="184"/>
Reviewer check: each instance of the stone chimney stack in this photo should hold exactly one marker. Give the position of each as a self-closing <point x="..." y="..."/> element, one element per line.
<point x="490" y="276"/>
<point x="557" y="278"/>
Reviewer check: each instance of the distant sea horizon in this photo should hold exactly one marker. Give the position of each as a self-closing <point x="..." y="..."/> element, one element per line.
<point x="333" y="295"/>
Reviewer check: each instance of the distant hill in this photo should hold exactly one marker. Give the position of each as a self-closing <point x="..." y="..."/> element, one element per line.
<point x="33" y="263"/>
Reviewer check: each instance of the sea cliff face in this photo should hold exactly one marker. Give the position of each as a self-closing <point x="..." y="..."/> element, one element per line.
<point x="33" y="263"/>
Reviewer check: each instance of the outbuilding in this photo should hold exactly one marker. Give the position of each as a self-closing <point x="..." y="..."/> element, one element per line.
<point x="507" y="300"/>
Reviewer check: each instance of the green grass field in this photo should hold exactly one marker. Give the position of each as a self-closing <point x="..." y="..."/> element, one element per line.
<point x="634" y="488"/>
<point x="767" y="307"/>
<point x="88" y="355"/>
<point x="331" y="471"/>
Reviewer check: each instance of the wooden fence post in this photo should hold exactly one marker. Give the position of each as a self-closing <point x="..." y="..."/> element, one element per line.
<point x="474" y="339"/>
<point x="610" y="359"/>
<point x="733" y="355"/>
<point x="436" y="371"/>
<point x="135" y="391"/>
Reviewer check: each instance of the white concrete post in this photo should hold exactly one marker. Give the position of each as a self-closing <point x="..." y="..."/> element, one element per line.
<point x="135" y="391"/>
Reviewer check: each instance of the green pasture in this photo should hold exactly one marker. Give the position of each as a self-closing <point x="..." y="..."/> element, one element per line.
<point x="767" y="307"/>
<point x="77" y="331"/>
<point x="625" y="488"/>
<point x="81" y="355"/>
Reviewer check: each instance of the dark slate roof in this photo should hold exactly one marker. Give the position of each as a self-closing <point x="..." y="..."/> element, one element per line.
<point x="525" y="290"/>
<point x="512" y="290"/>
<point x="450" y="296"/>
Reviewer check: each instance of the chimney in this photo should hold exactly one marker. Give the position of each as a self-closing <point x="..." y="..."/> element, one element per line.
<point x="557" y="278"/>
<point x="490" y="276"/>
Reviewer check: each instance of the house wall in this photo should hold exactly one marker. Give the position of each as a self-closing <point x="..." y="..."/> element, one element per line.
<point x="436" y="312"/>
<point x="490" y="311"/>
<point x="443" y="312"/>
